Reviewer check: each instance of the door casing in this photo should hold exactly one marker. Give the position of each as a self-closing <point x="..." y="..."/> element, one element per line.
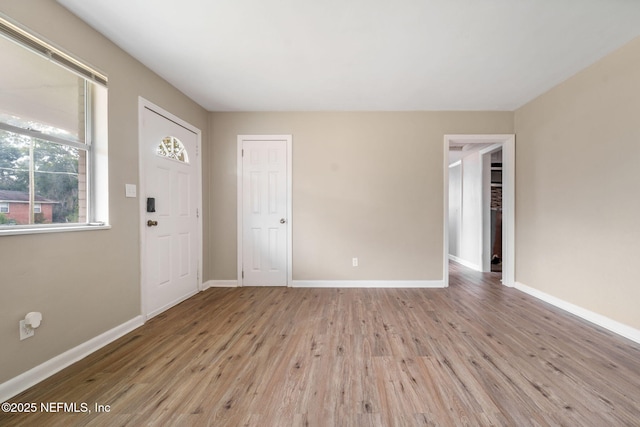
<point x="240" y="192"/>
<point x="507" y="142"/>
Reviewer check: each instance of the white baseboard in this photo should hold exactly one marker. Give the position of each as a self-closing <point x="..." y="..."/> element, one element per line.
<point x="171" y="304"/>
<point x="220" y="284"/>
<point x="43" y="371"/>
<point x="466" y="263"/>
<point x="340" y="284"/>
<point x="590" y="316"/>
<point x="367" y="284"/>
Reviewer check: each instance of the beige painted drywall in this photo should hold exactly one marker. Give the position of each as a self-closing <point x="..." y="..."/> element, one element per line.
<point x="365" y="184"/>
<point x="84" y="283"/>
<point x="578" y="188"/>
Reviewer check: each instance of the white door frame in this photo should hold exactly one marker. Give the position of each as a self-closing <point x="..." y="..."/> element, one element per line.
<point x="288" y="139"/>
<point x="142" y="104"/>
<point x="507" y="142"/>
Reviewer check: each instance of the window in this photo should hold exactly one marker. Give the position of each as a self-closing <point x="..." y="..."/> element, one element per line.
<point x="173" y="148"/>
<point x="4" y="207"/>
<point x="52" y="134"/>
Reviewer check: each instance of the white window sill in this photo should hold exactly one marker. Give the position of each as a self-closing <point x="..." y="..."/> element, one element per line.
<point x="14" y="230"/>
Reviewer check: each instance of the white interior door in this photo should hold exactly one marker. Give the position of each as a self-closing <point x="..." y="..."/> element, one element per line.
<point x="265" y="198"/>
<point x="171" y="240"/>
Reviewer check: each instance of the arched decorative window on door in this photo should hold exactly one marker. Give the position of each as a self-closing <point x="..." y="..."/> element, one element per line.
<point x="172" y="148"/>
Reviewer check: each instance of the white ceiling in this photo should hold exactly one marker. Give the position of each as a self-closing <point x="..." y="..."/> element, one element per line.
<point x="319" y="55"/>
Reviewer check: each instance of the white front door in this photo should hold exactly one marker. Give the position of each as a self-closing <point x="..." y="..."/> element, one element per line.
<point x="264" y="206"/>
<point x="170" y="192"/>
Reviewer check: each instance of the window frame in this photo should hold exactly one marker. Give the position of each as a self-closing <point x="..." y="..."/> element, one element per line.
<point x="95" y="143"/>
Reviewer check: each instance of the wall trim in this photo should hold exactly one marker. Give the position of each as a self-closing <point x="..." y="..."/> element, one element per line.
<point x="611" y="325"/>
<point x="466" y="263"/>
<point x="220" y="284"/>
<point x="43" y="371"/>
<point x="367" y="284"/>
<point x="170" y="304"/>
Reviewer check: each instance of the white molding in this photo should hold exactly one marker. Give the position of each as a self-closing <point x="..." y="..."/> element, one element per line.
<point x="466" y="263"/>
<point x="367" y="284"/>
<point x="590" y="316"/>
<point x="171" y="304"/>
<point x="220" y="284"/>
<point x="43" y="371"/>
<point x="445" y="230"/>
<point x="52" y="229"/>
<point x="289" y="143"/>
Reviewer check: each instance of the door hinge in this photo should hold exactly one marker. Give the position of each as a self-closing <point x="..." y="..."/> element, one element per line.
<point x="243" y="152"/>
<point x="197" y="213"/>
<point x="243" y="274"/>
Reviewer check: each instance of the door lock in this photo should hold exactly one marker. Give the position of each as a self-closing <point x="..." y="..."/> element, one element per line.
<point x="282" y="220"/>
<point x="152" y="223"/>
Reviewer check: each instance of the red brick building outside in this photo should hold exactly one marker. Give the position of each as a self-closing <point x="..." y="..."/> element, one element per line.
<point x="14" y="206"/>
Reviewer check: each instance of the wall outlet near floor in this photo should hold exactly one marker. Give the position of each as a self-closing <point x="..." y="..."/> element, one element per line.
<point x="354" y="262"/>
<point x="26" y="331"/>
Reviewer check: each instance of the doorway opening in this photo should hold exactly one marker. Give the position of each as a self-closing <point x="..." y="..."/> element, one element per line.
<point x="479" y="203"/>
<point x="493" y="162"/>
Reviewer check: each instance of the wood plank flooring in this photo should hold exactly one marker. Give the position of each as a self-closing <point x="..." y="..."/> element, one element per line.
<point x="475" y="354"/>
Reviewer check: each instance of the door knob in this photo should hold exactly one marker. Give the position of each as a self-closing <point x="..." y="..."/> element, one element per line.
<point x="152" y="223"/>
<point x="282" y="220"/>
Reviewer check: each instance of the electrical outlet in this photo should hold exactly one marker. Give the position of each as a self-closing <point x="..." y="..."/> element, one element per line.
<point x="26" y="331"/>
<point x="354" y="262"/>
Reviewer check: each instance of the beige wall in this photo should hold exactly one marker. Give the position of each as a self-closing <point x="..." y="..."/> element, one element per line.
<point x="578" y="188"/>
<point x="84" y="283"/>
<point x="366" y="185"/>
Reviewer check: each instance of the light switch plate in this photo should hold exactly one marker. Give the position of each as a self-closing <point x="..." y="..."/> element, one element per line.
<point x="130" y="190"/>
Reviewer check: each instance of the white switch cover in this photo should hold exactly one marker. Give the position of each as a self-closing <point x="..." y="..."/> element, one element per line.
<point x="130" y="190"/>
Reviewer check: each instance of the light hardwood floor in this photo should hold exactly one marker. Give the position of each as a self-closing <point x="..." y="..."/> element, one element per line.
<point x="475" y="354"/>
